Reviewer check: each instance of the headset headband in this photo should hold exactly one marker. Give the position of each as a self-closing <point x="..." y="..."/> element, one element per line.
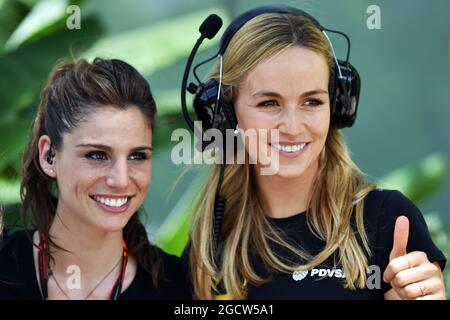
<point x="242" y="19"/>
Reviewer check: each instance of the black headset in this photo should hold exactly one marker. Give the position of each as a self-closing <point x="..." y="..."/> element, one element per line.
<point x="216" y="112"/>
<point x="344" y="87"/>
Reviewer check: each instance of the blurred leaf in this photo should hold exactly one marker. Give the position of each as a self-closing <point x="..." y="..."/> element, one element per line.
<point x="156" y="46"/>
<point x="14" y="137"/>
<point x="46" y="17"/>
<point x="173" y="235"/>
<point x="12" y="12"/>
<point x="164" y="126"/>
<point x="170" y="100"/>
<point x="25" y="70"/>
<point x="420" y="180"/>
<point x="44" y="12"/>
<point x="9" y="192"/>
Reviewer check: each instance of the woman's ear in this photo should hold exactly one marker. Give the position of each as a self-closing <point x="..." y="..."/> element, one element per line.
<point x="46" y="156"/>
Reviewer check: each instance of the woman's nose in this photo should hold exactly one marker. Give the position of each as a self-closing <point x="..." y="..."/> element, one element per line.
<point x="118" y="175"/>
<point x="292" y="121"/>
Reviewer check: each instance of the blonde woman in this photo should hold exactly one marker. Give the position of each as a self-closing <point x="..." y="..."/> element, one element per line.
<point x="316" y="229"/>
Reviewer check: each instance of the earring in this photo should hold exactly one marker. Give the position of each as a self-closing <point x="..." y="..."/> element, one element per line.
<point x="48" y="170"/>
<point x="236" y="131"/>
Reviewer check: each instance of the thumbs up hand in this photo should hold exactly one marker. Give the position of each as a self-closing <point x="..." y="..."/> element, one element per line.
<point x="411" y="275"/>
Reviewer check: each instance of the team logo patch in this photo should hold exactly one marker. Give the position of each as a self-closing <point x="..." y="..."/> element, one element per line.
<point x="299" y="275"/>
<point x="319" y="273"/>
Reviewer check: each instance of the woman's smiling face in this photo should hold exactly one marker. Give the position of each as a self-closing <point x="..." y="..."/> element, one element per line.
<point x="287" y="93"/>
<point x="103" y="169"/>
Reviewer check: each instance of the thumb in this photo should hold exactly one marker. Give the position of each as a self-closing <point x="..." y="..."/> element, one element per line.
<point x="401" y="233"/>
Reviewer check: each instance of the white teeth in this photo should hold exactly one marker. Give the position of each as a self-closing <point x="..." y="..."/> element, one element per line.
<point x="112" y="202"/>
<point x="289" y="148"/>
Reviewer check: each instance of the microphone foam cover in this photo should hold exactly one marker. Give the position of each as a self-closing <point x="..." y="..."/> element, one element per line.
<point x="210" y="26"/>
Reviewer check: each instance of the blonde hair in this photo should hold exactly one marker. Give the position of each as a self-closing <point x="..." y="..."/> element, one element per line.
<point x="338" y="192"/>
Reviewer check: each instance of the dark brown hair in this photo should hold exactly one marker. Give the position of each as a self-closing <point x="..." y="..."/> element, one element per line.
<point x="74" y="90"/>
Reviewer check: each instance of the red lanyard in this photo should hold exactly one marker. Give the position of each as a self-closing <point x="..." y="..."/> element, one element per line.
<point x="44" y="275"/>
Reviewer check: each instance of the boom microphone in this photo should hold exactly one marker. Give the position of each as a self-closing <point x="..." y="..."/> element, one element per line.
<point x="208" y="29"/>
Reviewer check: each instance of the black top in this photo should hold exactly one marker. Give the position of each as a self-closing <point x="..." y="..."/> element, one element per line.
<point x="18" y="275"/>
<point x="381" y="209"/>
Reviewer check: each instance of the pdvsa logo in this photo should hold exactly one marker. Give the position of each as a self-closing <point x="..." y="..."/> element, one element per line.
<point x="318" y="272"/>
<point x="299" y="275"/>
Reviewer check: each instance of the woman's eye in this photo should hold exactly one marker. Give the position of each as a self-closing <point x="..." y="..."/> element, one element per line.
<point x="268" y="103"/>
<point x="138" y="156"/>
<point x="313" y="102"/>
<point x="96" y="156"/>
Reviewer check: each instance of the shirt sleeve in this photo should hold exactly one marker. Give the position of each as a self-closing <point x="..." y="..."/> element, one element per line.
<point x="395" y="205"/>
<point x="14" y="267"/>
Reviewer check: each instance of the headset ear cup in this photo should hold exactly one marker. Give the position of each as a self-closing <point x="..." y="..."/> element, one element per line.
<point x="346" y="92"/>
<point x="332" y="93"/>
<point x="230" y="114"/>
<point x="352" y="83"/>
<point x="205" y="102"/>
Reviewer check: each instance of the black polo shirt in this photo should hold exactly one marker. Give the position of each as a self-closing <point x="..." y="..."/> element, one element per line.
<point x="382" y="208"/>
